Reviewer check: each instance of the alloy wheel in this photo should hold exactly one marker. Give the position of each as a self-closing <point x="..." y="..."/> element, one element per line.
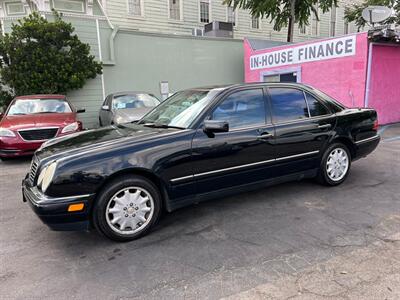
<point x="130" y="210"/>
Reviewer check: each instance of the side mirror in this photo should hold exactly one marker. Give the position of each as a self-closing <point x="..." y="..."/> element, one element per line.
<point x="105" y="107"/>
<point x="80" y="110"/>
<point x="211" y="126"/>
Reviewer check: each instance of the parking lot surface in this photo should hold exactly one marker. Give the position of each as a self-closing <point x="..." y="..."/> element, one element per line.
<point x="295" y="240"/>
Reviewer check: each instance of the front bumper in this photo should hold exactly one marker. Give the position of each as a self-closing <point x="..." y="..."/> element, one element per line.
<point x="54" y="211"/>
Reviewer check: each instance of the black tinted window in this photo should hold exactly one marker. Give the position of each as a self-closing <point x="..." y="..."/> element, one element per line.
<point x="288" y="104"/>
<point x="241" y="109"/>
<point x="315" y="106"/>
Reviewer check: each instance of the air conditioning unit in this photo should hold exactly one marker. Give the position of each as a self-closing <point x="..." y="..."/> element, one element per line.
<point x="219" y="29"/>
<point x="197" y="31"/>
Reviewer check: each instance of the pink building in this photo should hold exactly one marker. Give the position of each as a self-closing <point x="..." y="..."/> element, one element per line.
<point x="359" y="70"/>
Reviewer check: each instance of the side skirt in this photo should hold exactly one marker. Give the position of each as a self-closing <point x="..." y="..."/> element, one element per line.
<point x="173" y="205"/>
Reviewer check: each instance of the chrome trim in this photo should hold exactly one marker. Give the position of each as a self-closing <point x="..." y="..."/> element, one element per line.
<point x="182" y="178"/>
<point x="37" y="128"/>
<point x="297" y="155"/>
<point x="234" y="168"/>
<point x="242" y="166"/>
<point x="368" y="139"/>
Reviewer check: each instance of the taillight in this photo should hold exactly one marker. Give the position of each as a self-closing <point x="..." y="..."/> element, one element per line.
<point x="375" y="127"/>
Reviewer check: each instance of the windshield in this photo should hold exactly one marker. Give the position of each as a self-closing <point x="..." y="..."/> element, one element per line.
<point x="180" y="109"/>
<point x="38" y="106"/>
<point x="134" y="101"/>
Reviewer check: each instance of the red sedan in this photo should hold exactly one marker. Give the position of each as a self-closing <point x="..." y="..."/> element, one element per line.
<point x="31" y="120"/>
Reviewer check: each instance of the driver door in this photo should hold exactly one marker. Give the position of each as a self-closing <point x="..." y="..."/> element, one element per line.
<point x="243" y="154"/>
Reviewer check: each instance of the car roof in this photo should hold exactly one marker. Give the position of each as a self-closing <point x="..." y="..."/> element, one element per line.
<point x="239" y="85"/>
<point x="129" y="93"/>
<point x="41" y="96"/>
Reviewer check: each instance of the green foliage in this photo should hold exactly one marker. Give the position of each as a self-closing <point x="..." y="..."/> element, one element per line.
<point x="5" y="99"/>
<point x="40" y="56"/>
<point x="282" y="12"/>
<point x="353" y="13"/>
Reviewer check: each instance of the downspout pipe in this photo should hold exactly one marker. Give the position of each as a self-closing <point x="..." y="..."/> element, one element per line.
<point x="369" y="66"/>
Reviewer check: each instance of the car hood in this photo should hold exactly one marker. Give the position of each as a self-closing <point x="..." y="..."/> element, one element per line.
<point x="37" y="120"/>
<point x="102" y="139"/>
<point x="130" y="114"/>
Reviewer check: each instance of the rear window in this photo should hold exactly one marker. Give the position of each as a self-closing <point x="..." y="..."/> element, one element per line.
<point x="38" y="106"/>
<point x="288" y="104"/>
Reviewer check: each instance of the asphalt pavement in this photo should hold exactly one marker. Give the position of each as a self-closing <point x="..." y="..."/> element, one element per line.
<point x="294" y="240"/>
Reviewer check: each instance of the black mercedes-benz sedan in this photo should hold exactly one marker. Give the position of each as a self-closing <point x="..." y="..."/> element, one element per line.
<point x="199" y="144"/>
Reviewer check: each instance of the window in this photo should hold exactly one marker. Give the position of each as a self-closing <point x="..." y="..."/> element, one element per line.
<point x="135" y="7"/>
<point x="303" y="29"/>
<point x="333" y="21"/>
<point x="315" y="107"/>
<point x="241" y="109"/>
<point x="315" y="22"/>
<point x="69" y="5"/>
<point x="255" y="22"/>
<point x="205" y="11"/>
<point x="15" y="8"/>
<point x="231" y="15"/>
<point x="346" y="27"/>
<point x="134" y="101"/>
<point x="175" y="9"/>
<point x="288" y="104"/>
<point x="38" y="106"/>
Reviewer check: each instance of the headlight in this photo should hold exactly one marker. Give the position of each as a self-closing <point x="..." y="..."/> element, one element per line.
<point x="6" y="132"/>
<point x="46" y="176"/>
<point x="71" y="127"/>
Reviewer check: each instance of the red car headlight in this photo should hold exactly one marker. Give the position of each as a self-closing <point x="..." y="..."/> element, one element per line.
<point x="6" y="132"/>
<point x="71" y="127"/>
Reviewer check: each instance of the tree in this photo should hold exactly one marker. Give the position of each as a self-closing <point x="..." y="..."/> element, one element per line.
<point x="44" y="57"/>
<point x="284" y="12"/>
<point x="353" y="12"/>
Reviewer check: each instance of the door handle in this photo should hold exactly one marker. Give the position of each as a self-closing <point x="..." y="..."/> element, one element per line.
<point x="265" y="136"/>
<point x="324" y="126"/>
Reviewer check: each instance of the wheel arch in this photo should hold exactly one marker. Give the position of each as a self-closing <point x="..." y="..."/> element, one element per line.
<point x="347" y="142"/>
<point x="147" y="174"/>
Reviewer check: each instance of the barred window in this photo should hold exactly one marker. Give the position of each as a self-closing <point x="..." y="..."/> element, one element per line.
<point x="205" y="11"/>
<point x="346" y="27"/>
<point x="315" y="23"/>
<point x="255" y="22"/>
<point x="135" y="7"/>
<point x="175" y="9"/>
<point x="303" y="29"/>
<point x="333" y="21"/>
<point x="231" y="15"/>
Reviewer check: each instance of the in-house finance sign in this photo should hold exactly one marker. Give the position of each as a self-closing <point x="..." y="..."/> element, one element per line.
<point x="334" y="48"/>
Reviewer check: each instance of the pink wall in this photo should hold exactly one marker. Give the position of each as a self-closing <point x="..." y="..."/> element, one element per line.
<point x="384" y="94"/>
<point x="343" y="78"/>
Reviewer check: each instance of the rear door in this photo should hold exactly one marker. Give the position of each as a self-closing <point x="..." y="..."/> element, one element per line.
<point x="303" y="125"/>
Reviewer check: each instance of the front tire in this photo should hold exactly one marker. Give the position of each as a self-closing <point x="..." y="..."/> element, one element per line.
<point x="335" y="165"/>
<point x="127" y="208"/>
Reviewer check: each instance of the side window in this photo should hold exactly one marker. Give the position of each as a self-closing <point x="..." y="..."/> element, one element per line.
<point x="315" y="106"/>
<point x="288" y="104"/>
<point x="241" y="109"/>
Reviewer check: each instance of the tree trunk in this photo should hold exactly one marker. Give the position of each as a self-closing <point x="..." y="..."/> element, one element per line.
<point x="291" y="21"/>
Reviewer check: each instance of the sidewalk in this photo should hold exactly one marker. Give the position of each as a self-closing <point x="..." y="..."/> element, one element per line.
<point x="371" y="272"/>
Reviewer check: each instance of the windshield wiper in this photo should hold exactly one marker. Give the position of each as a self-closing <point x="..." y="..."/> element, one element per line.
<point x="158" y="125"/>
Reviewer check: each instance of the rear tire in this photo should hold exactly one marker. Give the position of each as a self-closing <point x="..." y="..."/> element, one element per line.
<point x="127" y="208"/>
<point x="335" y="165"/>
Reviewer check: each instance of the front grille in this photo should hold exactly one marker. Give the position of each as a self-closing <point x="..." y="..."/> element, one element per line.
<point x="38" y="134"/>
<point x="33" y="170"/>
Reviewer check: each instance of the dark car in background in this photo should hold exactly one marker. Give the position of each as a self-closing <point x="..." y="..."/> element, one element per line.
<point x="31" y="120"/>
<point x="198" y="144"/>
<point x="125" y="107"/>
